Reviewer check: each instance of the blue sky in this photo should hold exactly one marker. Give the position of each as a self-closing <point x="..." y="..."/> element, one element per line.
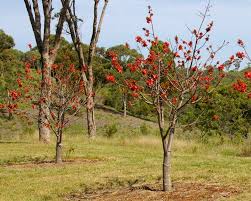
<point x="125" y="18"/>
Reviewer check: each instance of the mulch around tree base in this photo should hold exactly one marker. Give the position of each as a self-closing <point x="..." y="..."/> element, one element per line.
<point x="180" y="192"/>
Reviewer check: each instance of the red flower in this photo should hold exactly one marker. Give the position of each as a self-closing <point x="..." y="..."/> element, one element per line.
<point x="231" y="58"/>
<point x="166" y="47"/>
<point x="134" y="87"/>
<point x="176" y="54"/>
<point x="135" y="95"/>
<point x="240" y="42"/>
<point x="110" y="78"/>
<point x="249" y="95"/>
<point x="194" y="98"/>
<point x="72" y="68"/>
<point x="12" y="107"/>
<point x="19" y="82"/>
<point x="144" y="72"/>
<point x="54" y="66"/>
<point x="240" y="55"/>
<point x="155" y="77"/>
<point x="240" y="86"/>
<point x="247" y="75"/>
<point x="143" y="43"/>
<point x="221" y="67"/>
<point x="119" y="69"/>
<point x="15" y="95"/>
<point x="180" y="47"/>
<point x="174" y="100"/>
<point x="29" y="45"/>
<point x="148" y="20"/>
<point x="138" y="39"/>
<point x="194" y="68"/>
<point x="190" y="44"/>
<point x="215" y="117"/>
<point x="150" y="82"/>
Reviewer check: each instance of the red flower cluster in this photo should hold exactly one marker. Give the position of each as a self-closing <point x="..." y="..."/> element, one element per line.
<point x="19" y="82"/>
<point x="221" y="67"/>
<point x="247" y="75"/>
<point x="194" y="68"/>
<point x="240" y="55"/>
<point x="149" y="18"/>
<point x="150" y="82"/>
<point x="110" y="78"/>
<point x="115" y="62"/>
<point x="72" y="68"/>
<point x="240" y="86"/>
<point x="141" y="41"/>
<point x="14" y="94"/>
<point x="132" y="85"/>
<point x="12" y="107"/>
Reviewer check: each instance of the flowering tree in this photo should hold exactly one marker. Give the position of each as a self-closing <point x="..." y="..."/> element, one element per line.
<point x="125" y="55"/>
<point x="47" y="48"/>
<point x="63" y="102"/>
<point x="244" y="85"/>
<point x="173" y="75"/>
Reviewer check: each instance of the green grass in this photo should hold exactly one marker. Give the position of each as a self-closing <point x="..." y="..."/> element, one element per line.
<point x="115" y="162"/>
<point x="122" y="161"/>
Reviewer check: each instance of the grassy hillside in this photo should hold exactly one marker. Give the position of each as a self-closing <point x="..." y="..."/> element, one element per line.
<point x="129" y="158"/>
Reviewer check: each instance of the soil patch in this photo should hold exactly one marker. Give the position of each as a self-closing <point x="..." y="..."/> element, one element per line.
<point x="51" y="163"/>
<point x="181" y="192"/>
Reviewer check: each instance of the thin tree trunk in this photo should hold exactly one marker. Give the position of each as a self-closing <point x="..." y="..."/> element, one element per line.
<point x="125" y="104"/>
<point x="59" y="147"/>
<point x="59" y="152"/>
<point x="91" y="117"/>
<point x="167" y="143"/>
<point x="167" y="139"/>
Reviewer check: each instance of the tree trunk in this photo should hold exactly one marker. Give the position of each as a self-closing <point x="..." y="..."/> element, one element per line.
<point x="44" y="112"/>
<point x="125" y="104"/>
<point x="59" y="147"/>
<point x="91" y="117"/>
<point x="167" y="143"/>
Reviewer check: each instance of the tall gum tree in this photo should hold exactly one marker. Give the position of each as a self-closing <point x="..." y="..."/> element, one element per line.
<point x="41" y="26"/>
<point x="87" y="65"/>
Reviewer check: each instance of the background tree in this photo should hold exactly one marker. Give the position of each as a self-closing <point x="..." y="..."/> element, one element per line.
<point x="87" y="65"/>
<point x="227" y="113"/>
<point x="10" y="65"/>
<point x="47" y="53"/>
<point x="6" y="41"/>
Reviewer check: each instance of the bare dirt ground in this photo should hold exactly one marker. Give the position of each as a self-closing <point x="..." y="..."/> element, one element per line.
<point x="45" y="164"/>
<point x="181" y="192"/>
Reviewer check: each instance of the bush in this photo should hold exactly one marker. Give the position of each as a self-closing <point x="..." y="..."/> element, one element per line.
<point x="144" y="130"/>
<point x="110" y="130"/>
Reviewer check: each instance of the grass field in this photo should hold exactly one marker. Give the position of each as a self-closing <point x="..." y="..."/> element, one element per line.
<point x="27" y="173"/>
